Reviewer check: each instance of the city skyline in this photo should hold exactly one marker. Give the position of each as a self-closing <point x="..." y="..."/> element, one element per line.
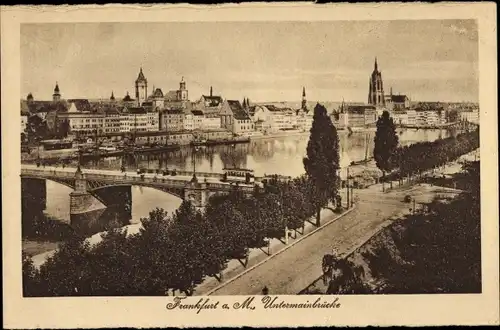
<point x="253" y="59"/>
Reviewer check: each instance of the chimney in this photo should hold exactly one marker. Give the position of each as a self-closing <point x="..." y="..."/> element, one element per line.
<point x="210" y="90"/>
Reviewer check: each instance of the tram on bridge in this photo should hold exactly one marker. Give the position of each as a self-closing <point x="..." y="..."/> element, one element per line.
<point x="240" y="175"/>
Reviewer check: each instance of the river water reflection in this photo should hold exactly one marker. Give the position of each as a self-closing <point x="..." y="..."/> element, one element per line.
<point x="281" y="155"/>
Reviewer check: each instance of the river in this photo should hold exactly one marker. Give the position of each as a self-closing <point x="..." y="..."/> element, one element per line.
<point x="282" y="155"/>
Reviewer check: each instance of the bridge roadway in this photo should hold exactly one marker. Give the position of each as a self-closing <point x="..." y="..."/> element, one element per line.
<point x="98" y="178"/>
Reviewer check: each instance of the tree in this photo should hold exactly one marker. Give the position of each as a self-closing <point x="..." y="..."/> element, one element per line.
<point x="67" y="272"/>
<point x="30" y="275"/>
<point x="64" y="128"/>
<point x="452" y="116"/>
<point x="231" y="225"/>
<point x="322" y="160"/>
<point x="386" y="143"/>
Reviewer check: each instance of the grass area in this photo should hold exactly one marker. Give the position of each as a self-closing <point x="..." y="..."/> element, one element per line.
<point x="35" y="247"/>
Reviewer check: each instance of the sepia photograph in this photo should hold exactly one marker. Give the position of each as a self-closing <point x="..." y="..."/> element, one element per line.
<point x="313" y="158"/>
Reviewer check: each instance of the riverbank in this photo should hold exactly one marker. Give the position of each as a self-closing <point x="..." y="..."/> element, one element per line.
<point x="70" y="154"/>
<point x="278" y="135"/>
<point x="307" y="133"/>
<point x="437" y="126"/>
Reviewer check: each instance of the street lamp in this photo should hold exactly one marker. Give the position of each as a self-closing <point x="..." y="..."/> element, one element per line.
<point x="78" y="166"/>
<point x="282" y="212"/>
<point x="38" y="155"/>
<point x="194" y="179"/>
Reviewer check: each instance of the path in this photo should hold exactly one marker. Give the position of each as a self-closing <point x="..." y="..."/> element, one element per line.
<point x="294" y="269"/>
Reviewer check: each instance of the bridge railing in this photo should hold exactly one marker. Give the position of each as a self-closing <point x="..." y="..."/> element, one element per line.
<point x="180" y="173"/>
<point x="124" y="178"/>
<point x="47" y="173"/>
<point x="201" y="174"/>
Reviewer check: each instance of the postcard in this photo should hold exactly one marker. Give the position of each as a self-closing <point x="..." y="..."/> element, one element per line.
<point x="248" y="164"/>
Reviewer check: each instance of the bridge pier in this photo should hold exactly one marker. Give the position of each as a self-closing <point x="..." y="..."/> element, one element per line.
<point x="81" y="201"/>
<point x="118" y="196"/>
<point x="196" y="193"/>
<point x="33" y="194"/>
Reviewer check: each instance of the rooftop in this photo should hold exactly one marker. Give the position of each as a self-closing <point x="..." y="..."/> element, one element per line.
<point x="399" y="98"/>
<point x="171" y="96"/>
<point x="158" y="93"/>
<point x="238" y="111"/>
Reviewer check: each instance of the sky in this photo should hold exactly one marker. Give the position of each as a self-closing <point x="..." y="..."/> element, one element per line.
<point x="428" y="60"/>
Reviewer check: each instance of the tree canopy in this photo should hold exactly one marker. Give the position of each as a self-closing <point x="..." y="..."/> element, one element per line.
<point x="386" y="142"/>
<point x="322" y="160"/>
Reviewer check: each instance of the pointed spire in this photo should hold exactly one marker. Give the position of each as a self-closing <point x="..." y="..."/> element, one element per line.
<point x="112" y="96"/>
<point x="303" y="92"/>
<point x="141" y="77"/>
<point x="56" y="89"/>
<point x="376" y="65"/>
<point x="210" y="90"/>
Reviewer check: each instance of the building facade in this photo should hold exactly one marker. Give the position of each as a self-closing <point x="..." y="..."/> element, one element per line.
<point x="188" y="122"/>
<point x="172" y="120"/>
<point x="112" y="122"/>
<point x="470" y="116"/>
<point x="400" y="117"/>
<point x="242" y="124"/>
<point x="211" y="121"/>
<point x="82" y="124"/>
<point x="137" y="119"/>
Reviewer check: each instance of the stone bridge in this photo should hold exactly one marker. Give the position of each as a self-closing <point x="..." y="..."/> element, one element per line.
<point x="112" y="187"/>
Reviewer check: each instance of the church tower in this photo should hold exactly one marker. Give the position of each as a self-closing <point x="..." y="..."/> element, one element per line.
<point x="141" y="88"/>
<point x="376" y="88"/>
<point x="56" y="97"/>
<point x="304" y="101"/>
<point x="30" y="98"/>
<point x="182" y="93"/>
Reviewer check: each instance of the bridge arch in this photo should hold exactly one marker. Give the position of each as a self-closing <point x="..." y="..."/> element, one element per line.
<point x="176" y="192"/>
<point x="64" y="182"/>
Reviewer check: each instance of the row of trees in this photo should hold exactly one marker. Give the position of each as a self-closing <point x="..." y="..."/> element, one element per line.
<point x="173" y="252"/>
<point x="176" y="252"/>
<point x="411" y="160"/>
<point x="419" y="157"/>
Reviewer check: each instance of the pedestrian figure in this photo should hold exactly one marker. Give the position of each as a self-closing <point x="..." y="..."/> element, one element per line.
<point x="265" y="291"/>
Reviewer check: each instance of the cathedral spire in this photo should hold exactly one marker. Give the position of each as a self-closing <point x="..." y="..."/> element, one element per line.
<point x="376" y="65"/>
<point x="304" y="101"/>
